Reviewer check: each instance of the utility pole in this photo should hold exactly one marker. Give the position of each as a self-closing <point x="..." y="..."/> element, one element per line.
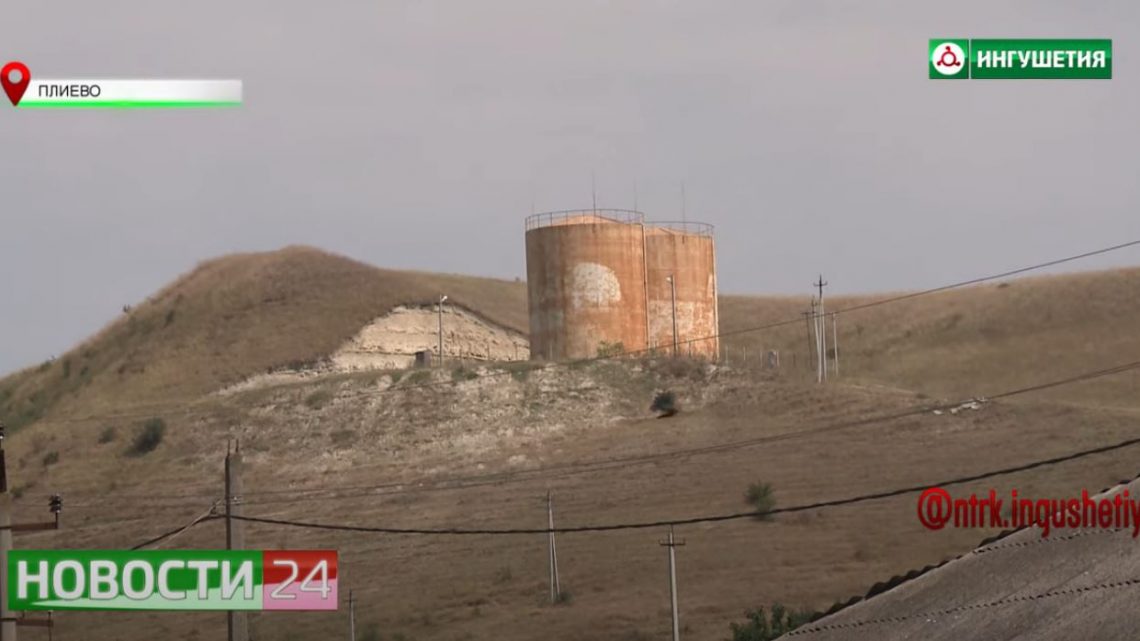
<point x="807" y="326"/>
<point x="351" y="617"/>
<point x="672" y="544"/>
<point x="237" y="623"/>
<point x="9" y="623"/>
<point x="555" y="586"/>
<point x="835" y="338"/>
<point x="814" y="327"/>
<point x="673" y="292"/>
<point x="442" y="298"/>
<point x="823" y="335"/>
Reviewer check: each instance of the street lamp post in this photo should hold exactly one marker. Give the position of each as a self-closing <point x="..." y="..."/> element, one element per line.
<point x="442" y="298"/>
<point x="673" y="293"/>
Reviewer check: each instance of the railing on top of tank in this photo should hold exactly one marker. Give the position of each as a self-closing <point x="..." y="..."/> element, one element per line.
<point x="579" y="216"/>
<point x="685" y="227"/>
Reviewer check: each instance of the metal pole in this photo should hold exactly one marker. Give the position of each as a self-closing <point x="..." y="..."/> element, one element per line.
<point x="673" y="293"/>
<point x="351" y="617"/>
<point x="555" y="586"/>
<point x="442" y="298"/>
<point x="672" y="544"/>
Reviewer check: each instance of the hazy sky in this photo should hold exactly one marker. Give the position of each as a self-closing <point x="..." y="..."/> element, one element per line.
<point x="419" y="134"/>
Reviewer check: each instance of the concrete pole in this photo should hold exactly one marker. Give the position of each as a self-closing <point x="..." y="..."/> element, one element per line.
<point x="672" y="544"/>
<point x="237" y="623"/>
<point x="555" y="585"/>
<point x="8" y="625"/>
<point x="815" y="338"/>
<point x="351" y="617"/>
<point x="835" y="339"/>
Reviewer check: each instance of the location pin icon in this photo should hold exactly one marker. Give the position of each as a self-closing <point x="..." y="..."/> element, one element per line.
<point x="15" y="89"/>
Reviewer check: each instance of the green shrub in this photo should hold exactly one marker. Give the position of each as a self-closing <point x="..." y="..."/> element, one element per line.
<point x="51" y="458"/>
<point x="664" y="403"/>
<point x="565" y="597"/>
<point x="610" y="350"/>
<point x="462" y="373"/>
<point x="371" y="632"/>
<point x="318" y="399"/>
<point x="418" y="377"/>
<point x="761" y="497"/>
<point x="107" y="435"/>
<point x="148" y="437"/>
<point x="761" y="627"/>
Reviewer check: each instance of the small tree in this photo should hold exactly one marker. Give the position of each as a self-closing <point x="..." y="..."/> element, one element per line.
<point x="760" y="496"/>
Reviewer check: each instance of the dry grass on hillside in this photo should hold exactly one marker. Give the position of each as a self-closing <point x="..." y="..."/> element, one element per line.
<point x="443" y="588"/>
<point x="975" y="340"/>
<point x="231" y="318"/>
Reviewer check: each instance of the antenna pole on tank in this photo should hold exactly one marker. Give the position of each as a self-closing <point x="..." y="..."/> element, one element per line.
<point x="684" y="206"/>
<point x="594" y="191"/>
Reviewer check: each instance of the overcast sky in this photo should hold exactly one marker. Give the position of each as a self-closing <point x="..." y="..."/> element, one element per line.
<point x="419" y="134"/>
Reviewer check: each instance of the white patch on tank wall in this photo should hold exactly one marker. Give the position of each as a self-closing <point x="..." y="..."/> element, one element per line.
<point x="593" y="285"/>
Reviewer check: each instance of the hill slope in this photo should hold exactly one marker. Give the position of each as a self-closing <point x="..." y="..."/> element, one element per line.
<point x="234" y="317"/>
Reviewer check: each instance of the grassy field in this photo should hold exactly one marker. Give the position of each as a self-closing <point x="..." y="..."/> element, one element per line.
<point x="383" y="454"/>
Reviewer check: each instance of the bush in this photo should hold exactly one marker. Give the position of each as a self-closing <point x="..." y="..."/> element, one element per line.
<point x="462" y="373"/>
<point x="665" y="404"/>
<point x="318" y="399"/>
<point x="149" y="437"/>
<point x="51" y="458"/>
<point x="760" y="496"/>
<point x="610" y="350"/>
<point x="565" y="597"/>
<point x="107" y="435"/>
<point x="765" y="628"/>
<point x="371" y="632"/>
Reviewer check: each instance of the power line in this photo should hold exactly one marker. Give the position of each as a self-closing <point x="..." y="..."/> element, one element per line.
<point x="701" y="519"/>
<point x="208" y="515"/>
<point x="718" y="335"/>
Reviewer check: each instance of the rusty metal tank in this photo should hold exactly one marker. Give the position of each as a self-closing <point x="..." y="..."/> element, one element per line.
<point x="585" y="282"/>
<point x="682" y="256"/>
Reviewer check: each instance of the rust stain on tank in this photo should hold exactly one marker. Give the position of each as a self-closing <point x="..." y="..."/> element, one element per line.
<point x="598" y="277"/>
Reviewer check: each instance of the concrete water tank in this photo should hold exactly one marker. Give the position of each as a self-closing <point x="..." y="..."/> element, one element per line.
<point x="586" y="282"/>
<point x="606" y="278"/>
<point x="685" y="253"/>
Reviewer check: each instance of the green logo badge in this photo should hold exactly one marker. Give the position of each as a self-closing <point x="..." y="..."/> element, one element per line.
<point x="949" y="58"/>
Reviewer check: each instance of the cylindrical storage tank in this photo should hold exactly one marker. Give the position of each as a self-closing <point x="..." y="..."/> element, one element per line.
<point x="585" y="282"/>
<point x="684" y="253"/>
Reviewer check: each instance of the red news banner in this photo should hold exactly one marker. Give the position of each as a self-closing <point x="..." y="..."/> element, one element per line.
<point x="937" y="509"/>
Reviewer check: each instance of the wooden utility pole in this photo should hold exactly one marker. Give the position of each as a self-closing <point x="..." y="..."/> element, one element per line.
<point x="237" y="623"/>
<point x="555" y="585"/>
